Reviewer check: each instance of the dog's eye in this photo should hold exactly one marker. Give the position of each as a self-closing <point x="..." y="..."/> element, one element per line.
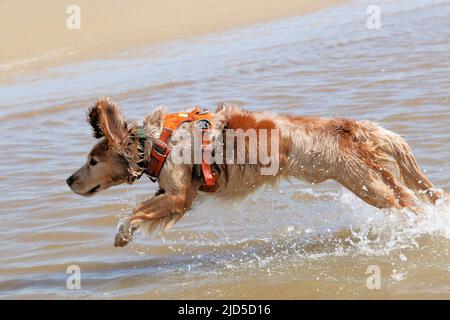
<point x="93" y="162"/>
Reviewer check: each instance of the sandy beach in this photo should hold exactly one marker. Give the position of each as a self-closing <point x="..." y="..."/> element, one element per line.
<point x="37" y="36"/>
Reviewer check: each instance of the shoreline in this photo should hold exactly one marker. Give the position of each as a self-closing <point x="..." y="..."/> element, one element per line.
<point x="41" y="38"/>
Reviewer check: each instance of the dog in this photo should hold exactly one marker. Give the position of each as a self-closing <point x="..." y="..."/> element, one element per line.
<point x="377" y="165"/>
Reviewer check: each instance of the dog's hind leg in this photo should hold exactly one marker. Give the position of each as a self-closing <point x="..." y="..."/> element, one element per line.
<point x="379" y="190"/>
<point x="369" y="187"/>
<point x="367" y="170"/>
<point x="363" y="174"/>
<point x="411" y="173"/>
<point x="414" y="178"/>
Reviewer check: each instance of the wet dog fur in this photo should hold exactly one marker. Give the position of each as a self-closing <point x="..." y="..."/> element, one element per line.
<point x="375" y="164"/>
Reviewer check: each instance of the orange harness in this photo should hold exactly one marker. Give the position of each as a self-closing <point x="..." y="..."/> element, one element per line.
<point x="160" y="150"/>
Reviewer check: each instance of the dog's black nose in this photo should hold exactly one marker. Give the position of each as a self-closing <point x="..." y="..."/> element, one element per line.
<point x="70" y="180"/>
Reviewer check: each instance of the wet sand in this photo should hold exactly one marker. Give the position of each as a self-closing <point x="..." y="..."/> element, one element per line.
<point x="34" y="33"/>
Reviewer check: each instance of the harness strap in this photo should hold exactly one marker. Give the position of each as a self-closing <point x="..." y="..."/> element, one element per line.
<point x="160" y="150"/>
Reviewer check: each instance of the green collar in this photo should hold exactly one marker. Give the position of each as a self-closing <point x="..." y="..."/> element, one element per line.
<point x="141" y="133"/>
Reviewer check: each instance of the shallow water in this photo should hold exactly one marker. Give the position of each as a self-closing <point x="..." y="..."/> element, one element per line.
<point x="293" y="241"/>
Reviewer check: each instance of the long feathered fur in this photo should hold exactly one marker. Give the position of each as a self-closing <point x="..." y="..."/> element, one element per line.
<point x="375" y="164"/>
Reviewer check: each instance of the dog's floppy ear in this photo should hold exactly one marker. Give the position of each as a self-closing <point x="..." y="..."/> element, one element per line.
<point x="154" y="120"/>
<point x="155" y="117"/>
<point x="107" y="121"/>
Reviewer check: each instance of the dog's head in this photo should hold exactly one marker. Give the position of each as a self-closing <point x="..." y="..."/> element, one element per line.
<point x="114" y="158"/>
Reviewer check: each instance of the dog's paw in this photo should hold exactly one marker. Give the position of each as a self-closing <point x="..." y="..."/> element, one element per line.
<point x="123" y="237"/>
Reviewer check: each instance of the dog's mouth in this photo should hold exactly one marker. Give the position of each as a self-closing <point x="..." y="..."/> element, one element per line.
<point x="93" y="190"/>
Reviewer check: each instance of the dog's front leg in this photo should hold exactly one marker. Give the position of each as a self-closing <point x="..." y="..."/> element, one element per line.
<point x="165" y="209"/>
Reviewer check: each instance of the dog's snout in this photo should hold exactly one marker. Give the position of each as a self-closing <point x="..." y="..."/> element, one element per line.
<point x="70" y="180"/>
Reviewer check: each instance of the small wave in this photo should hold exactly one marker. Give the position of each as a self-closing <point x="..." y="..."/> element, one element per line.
<point x="356" y="228"/>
